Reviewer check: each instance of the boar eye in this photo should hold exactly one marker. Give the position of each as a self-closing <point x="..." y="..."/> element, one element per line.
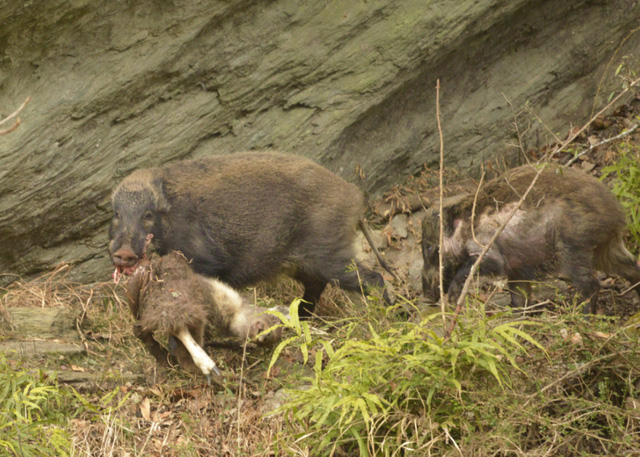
<point x="116" y="215"/>
<point x="147" y="216"/>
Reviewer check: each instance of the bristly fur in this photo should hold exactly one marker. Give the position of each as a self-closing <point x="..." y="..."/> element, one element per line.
<point x="173" y="298"/>
<point x="243" y="218"/>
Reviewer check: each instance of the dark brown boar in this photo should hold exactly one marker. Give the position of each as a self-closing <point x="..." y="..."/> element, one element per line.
<point x="167" y="297"/>
<point x="244" y="218"/>
<point x="569" y="225"/>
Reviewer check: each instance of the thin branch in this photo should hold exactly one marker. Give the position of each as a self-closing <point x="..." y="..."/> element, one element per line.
<point x="441" y="236"/>
<point x="608" y="140"/>
<point x="520" y="145"/>
<point x="572" y="137"/>
<point x="606" y="69"/>
<point x="473" y="209"/>
<point x="11" y="116"/>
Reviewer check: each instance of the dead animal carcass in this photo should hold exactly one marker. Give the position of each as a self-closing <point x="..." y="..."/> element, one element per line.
<point x="166" y="296"/>
<point x="244" y="218"/>
<point x="570" y="225"/>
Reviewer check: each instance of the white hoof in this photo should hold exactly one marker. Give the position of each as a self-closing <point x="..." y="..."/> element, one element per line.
<point x="199" y="356"/>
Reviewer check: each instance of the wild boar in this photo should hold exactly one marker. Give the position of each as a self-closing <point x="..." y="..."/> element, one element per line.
<point x="244" y="218"/>
<point x="167" y="297"/>
<point x="569" y="225"/>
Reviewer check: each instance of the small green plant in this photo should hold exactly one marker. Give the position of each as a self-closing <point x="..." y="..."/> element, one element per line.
<point x="366" y="392"/>
<point x="300" y="328"/>
<point x="626" y="186"/>
<point x="32" y="415"/>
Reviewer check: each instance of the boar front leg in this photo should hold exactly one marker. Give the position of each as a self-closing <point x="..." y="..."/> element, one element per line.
<point x="576" y="264"/>
<point x="490" y="265"/>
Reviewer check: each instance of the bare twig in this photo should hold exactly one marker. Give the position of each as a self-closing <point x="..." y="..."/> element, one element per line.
<point x="581" y="369"/>
<point x="608" y="140"/>
<point x="239" y="407"/>
<point x="11" y="116"/>
<point x="441" y="228"/>
<point x="473" y="209"/>
<point x="630" y="288"/>
<point x="572" y="137"/>
<point x="519" y="135"/>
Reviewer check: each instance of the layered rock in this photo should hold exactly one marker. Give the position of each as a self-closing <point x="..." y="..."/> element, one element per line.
<point x="121" y="85"/>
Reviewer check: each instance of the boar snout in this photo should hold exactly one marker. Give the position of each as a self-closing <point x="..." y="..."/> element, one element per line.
<point x="125" y="258"/>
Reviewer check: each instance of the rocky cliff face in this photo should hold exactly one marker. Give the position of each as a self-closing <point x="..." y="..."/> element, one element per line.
<point x="118" y="85"/>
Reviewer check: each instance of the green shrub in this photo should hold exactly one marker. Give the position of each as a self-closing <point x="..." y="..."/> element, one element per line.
<point x="32" y="415"/>
<point x="376" y="394"/>
<point x="626" y="185"/>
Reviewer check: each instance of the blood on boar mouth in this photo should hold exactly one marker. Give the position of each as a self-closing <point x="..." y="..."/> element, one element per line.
<point x="119" y="271"/>
<point x="130" y="269"/>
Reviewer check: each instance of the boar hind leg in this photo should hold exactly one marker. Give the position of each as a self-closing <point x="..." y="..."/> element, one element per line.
<point x="361" y="279"/>
<point x="313" y="288"/>
<point x="576" y="266"/>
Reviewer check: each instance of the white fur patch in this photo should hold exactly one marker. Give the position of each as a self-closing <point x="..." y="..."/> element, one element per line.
<point x="199" y="356"/>
<point x="223" y="293"/>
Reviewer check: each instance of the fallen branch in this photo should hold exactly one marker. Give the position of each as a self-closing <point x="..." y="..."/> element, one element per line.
<point x="608" y="140"/>
<point x="11" y="116"/>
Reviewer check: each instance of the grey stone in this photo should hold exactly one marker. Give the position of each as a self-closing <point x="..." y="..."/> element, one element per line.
<point x="42" y="323"/>
<point x="398" y="226"/>
<point x="37" y="348"/>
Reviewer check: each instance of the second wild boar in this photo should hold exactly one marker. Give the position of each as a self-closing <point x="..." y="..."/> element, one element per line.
<point x="570" y="224"/>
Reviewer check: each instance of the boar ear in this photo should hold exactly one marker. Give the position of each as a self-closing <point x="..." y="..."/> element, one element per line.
<point x="162" y="204"/>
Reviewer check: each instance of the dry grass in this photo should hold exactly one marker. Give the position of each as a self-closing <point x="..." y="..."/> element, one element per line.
<point x="171" y="413"/>
<point x="579" y="400"/>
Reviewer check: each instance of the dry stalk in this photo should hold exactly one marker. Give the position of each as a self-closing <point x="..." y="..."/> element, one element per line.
<point x="441" y="226"/>
<point x="600" y="143"/>
<point x="473" y="209"/>
<point x="16" y="124"/>
<point x="240" y="390"/>
<point x="519" y="134"/>
<point x="606" y="70"/>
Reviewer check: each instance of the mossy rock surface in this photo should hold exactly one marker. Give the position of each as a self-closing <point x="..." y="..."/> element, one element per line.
<point x="117" y="86"/>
